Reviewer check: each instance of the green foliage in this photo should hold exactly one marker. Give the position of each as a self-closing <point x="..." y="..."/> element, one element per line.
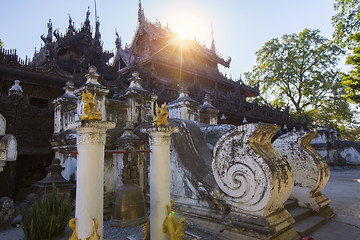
<point x="299" y="71"/>
<point x="347" y="32"/>
<point x="46" y="218"/>
<point x="346" y="22"/>
<point x="351" y="80"/>
<point x="1" y="43"/>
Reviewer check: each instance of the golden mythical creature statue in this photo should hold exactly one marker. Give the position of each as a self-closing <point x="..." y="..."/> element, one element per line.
<point x="94" y="236"/>
<point x="74" y="236"/>
<point x="146" y="230"/>
<point x="161" y="115"/>
<point x="170" y="225"/>
<point x="72" y="225"/>
<point x="90" y="108"/>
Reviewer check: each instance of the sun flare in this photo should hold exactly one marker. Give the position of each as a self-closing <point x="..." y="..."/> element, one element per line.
<point x="190" y="25"/>
<point x="183" y="35"/>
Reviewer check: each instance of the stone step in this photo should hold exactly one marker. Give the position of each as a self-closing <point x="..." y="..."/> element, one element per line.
<point x="309" y="225"/>
<point x="290" y="204"/>
<point x="299" y="213"/>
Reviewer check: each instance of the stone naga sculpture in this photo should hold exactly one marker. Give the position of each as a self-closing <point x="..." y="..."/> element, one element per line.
<point x="160" y="119"/>
<point x="255" y="178"/>
<point x="90" y="107"/>
<point x="311" y="172"/>
<point x="170" y="225"/>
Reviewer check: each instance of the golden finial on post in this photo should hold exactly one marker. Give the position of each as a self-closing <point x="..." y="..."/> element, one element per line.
<point x="90" y="107"/>
<point x="160" y="119"/>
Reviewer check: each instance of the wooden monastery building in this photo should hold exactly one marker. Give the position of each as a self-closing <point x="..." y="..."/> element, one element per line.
<point x="166" y="65"/>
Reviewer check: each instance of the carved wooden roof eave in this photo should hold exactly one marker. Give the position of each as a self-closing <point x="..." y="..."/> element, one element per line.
<point x="35" y="77"/>
<point x="252" y="91"/>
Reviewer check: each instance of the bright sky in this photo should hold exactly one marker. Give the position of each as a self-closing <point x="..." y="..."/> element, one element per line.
<point x="240" y="27"/>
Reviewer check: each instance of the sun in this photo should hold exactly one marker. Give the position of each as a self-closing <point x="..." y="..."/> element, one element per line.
<point x="183" y="35"/>
<point x="190" y="25"/>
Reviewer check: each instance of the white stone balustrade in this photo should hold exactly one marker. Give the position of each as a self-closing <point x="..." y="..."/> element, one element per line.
<point x="311" y="172"/>
<point x="255" y="178"/>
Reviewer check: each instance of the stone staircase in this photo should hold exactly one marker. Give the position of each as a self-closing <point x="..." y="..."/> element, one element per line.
<point x="306" y="221"/>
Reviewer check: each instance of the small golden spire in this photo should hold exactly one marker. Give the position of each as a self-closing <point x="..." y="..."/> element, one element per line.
<point x="161" y="115"/>
<point x="90" y="107"/>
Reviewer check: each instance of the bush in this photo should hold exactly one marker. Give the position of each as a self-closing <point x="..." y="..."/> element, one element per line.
<point x="46" y="218"/>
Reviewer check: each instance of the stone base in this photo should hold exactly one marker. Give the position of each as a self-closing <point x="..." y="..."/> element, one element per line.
<point x="187" y="236"/>
<point x="326" y="212"/>
<point x="230" y="226"/>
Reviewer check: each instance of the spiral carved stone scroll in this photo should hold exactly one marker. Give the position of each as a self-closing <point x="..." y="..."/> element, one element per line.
<point x="311" y="172"/>
<point x="254" y="176"/>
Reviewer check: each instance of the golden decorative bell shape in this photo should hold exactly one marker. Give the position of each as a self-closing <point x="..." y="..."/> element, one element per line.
<point x="128" y="206"/>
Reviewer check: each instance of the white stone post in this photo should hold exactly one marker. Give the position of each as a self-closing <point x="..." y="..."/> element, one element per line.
<point x="91" y="139"/>
<point x="159" y="179"/>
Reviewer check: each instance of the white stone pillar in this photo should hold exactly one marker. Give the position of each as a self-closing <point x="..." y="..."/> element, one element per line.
<point x="159" y="179"/>
<point x="91" y="139"/>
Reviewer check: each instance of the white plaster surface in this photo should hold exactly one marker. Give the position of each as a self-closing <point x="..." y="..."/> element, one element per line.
<point x="255" y="178"/>
<point x="351" y="156"/>
<point x="2" y="125"/>
<point x="159" y="178"/>
<point x="311" y="172"/>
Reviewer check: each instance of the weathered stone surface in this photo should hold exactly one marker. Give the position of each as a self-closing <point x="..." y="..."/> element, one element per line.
<point x="335" y="151"/>
<point x="8" y="211"/>
<point x="2" y="125"/>
<point x="184" y="107"/>
<point x="311" y="172"/>
<point x="8" y="150"/>
<point x="255" y="178"/>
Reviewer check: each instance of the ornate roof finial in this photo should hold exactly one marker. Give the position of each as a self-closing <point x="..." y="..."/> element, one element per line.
<point x="141" y="15"/>
<point x="87" y="20"/>
<point x="49" y="35"/>
<point x="212" y="39"/>
<point x="97" y="31"/>
<point x="117" y="40"/>
<point x="71" y="28"/>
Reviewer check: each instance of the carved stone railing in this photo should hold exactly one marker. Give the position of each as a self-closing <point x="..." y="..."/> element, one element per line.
<point x="311" y="172"/>
<point x="255" y="178"/>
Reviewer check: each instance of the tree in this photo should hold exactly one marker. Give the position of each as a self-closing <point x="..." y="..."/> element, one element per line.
<point x="1" y="43"/>
<point x="299" y="70"/>
<point x="347" y="32"/>
<point x="346" y="22"/>
<point x="351" y="80"/>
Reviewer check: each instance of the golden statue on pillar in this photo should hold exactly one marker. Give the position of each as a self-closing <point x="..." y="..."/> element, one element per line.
<point x="160" y="119"/>
<point x="90" y="107"/>
<point x="172" y="226"/>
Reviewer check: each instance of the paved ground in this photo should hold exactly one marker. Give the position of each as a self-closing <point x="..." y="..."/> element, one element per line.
<point x="343" y="189"/>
